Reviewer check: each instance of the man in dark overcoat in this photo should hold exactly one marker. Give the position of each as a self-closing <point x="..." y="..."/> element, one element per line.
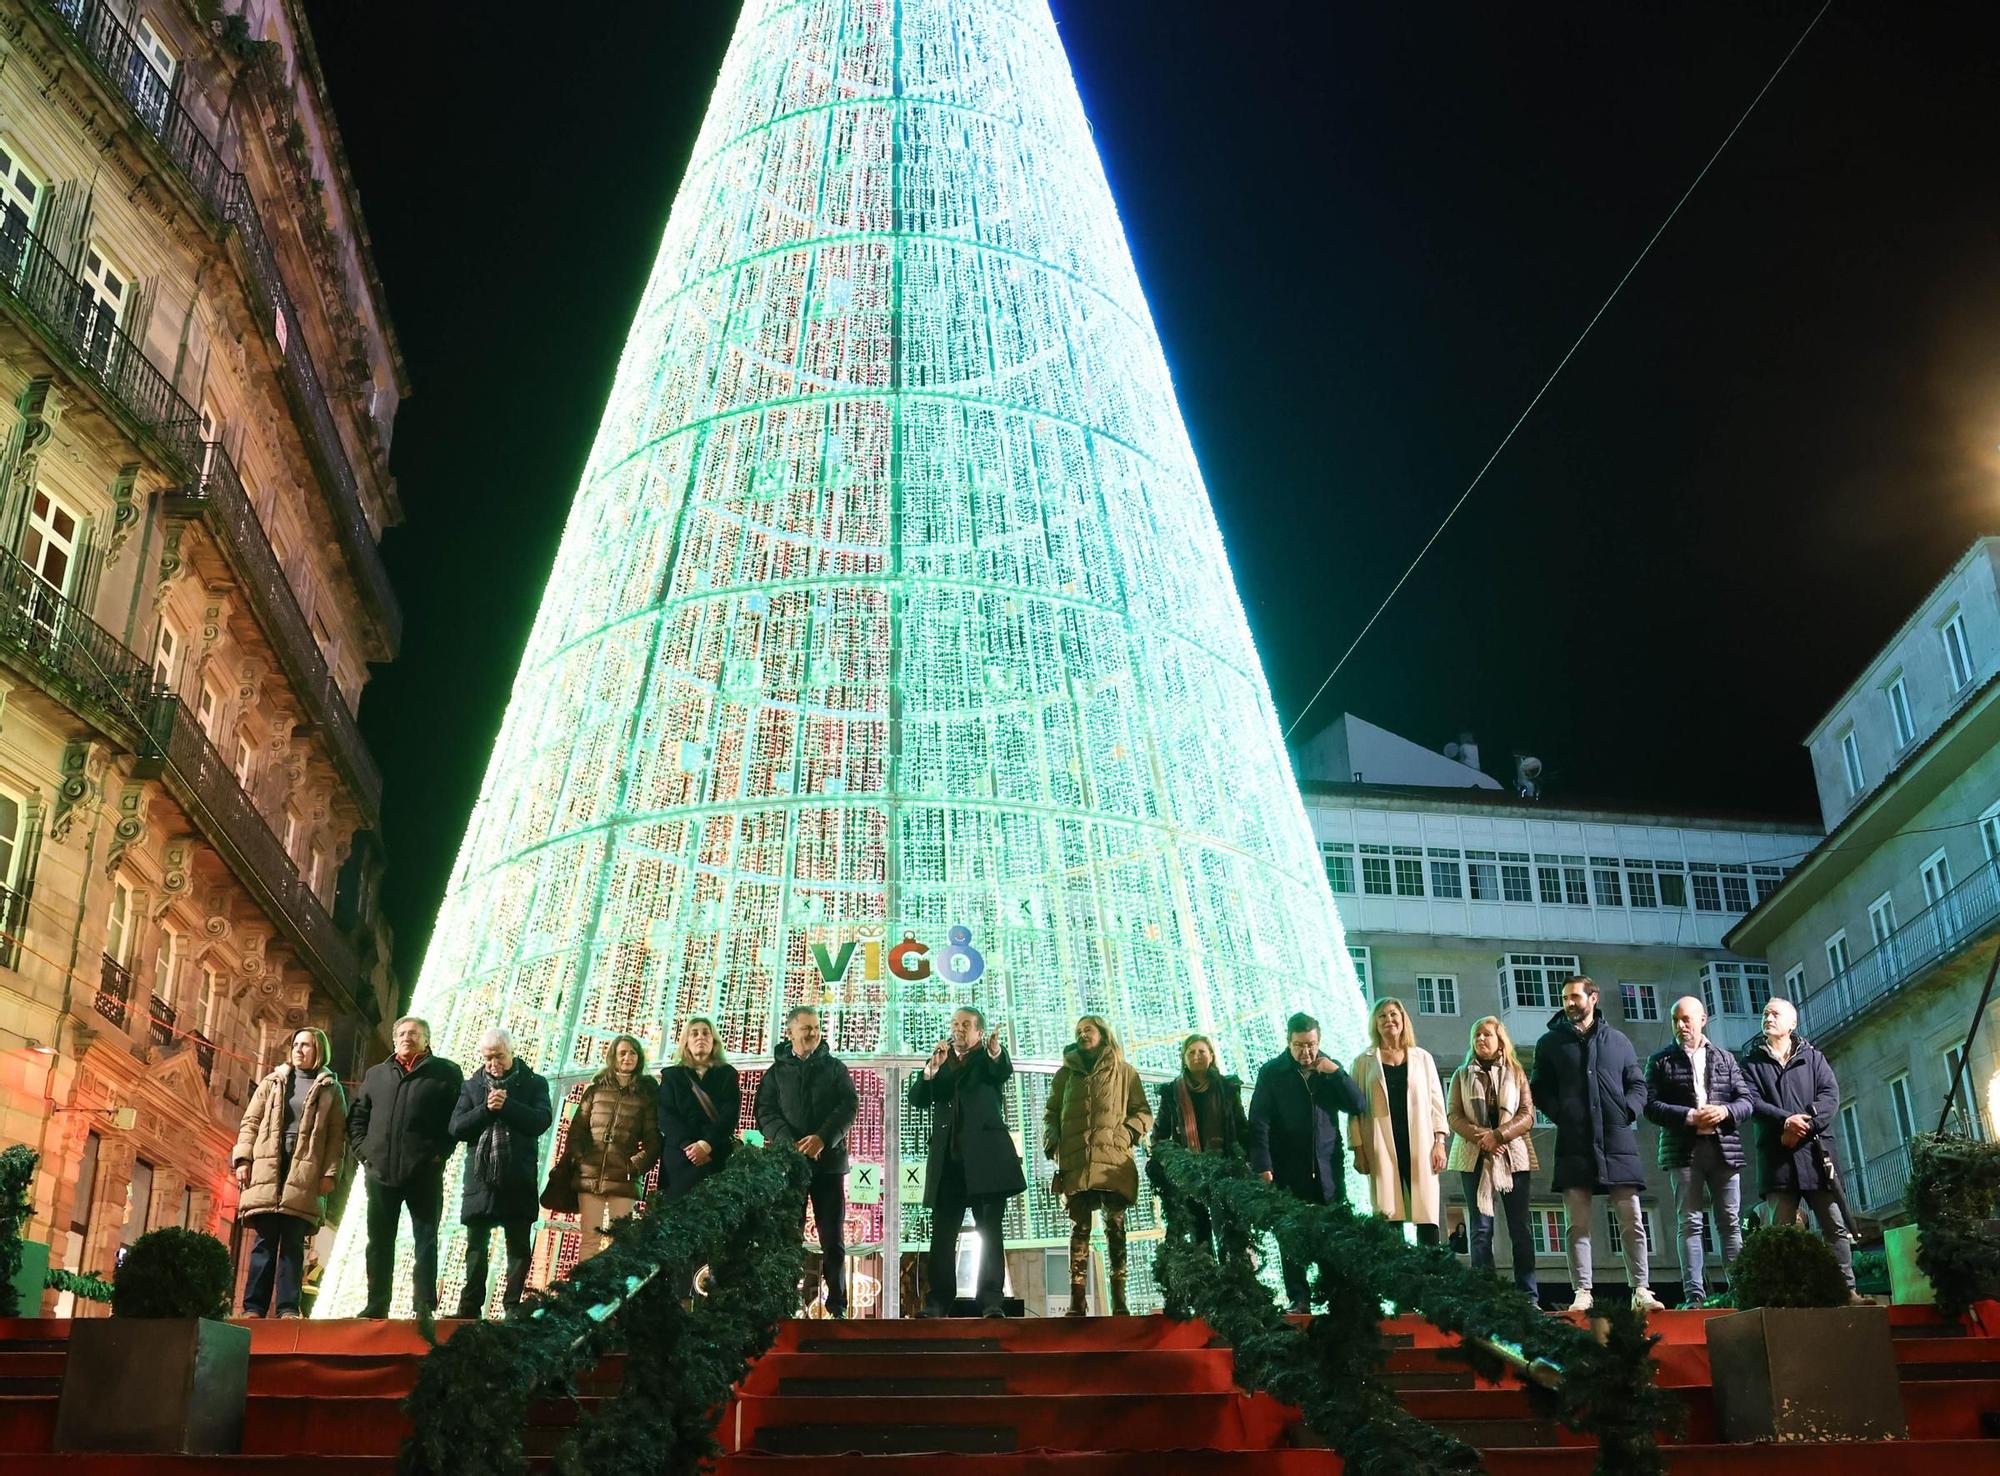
<point x="1295" y="1139"/>
<point x="807" y="1101"/>
<point x="1794" y="1097"/>
<point x="973" y="1163"/>
<point x="1588" y="1079"/>
<point x="399" y="1126"/>
<point x="502" y="1112"/>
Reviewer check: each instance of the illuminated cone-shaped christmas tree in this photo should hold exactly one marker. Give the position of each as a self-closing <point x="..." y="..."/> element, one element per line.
<point x="891" y="604"/>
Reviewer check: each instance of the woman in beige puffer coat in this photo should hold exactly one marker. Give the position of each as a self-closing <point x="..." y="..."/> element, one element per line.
<point x="1097" y="1111"/>
<point x="287" y="1161"/>
<point x="614" y="1140"/>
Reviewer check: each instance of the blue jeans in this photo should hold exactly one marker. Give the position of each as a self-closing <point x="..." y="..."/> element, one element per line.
<point x="278" y="1255"/>
<point x="1520" y="1241"/>
<point x="1706" y="1173"/>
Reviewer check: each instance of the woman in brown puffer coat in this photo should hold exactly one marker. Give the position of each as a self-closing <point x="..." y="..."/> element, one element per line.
<point x="613" y="1140"/>
<point x="1097" y="1112"/>
<point x="287" y="1161"/>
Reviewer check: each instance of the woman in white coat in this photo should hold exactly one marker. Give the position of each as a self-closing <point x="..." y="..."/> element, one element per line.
<point x="1400" y="1142"/>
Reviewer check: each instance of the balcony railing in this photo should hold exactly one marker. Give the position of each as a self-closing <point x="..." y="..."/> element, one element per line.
<point x="160" y="1022"/>
<point x="88" y="335"/>
<point x="116" y="56"/>
<point x="204" y="1054"/>
<point x="1947" y="927"/>
<point x="70" y="654"/>
<point x="219" y="496"/>
<point x="105" y="40"/>
<point x="85" y="667"/>
<point x="179" y="753"/>
<point x="114" y="992"/>
<point x="1884" y="1178"/>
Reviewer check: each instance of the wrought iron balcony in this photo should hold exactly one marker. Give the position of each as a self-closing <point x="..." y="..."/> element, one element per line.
<point x="69" y="655"/>
<point x="218" y="497"/>
<point x="178" y="753"/>
<point x="114" y="992"/>
<point x="83" y="332"/>
<point x="204" y="1054"/>
<point x="1883" y="1180"/>
<point x="115" y="56"/>
<point x="66" y="653"/>
<point x="1950" y="925"/>
<point x="160" y="1021"/>
<point x="329" y="453"/>
<point x="103" y="38"/>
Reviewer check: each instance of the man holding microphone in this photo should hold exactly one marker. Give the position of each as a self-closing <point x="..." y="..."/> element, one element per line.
<point x="973" y="1162"/>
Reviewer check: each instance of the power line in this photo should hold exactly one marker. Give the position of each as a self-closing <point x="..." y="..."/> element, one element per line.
<point x="1521" y="419"/>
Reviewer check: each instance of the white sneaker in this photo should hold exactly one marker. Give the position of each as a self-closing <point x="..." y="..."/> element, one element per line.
<point x="1643" y="1300"/>
<point x="1581" y="1302"/>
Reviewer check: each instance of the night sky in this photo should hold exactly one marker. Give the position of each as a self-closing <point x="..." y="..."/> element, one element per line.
<point x="1367" y="234"/>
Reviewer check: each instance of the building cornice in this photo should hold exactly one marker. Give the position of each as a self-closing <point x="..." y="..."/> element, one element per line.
<point x="1879" y="818"/>
<point x="1448" y="801"/>
<point x="1860" y="682"/>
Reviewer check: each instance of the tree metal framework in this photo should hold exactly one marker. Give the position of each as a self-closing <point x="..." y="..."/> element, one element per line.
<point x="891" y="659"/>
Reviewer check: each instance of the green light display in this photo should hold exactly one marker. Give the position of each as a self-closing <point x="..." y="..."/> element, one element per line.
<point x="891" y="659"/>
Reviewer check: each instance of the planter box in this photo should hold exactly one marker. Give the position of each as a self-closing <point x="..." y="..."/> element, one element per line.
<point x="168" y="1385"/>
<point x="29" y="1285"/>
<point x="1805" y="1374"/>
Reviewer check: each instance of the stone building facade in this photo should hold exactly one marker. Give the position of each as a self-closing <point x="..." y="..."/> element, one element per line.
<point x="1465" y="901"/>
<point x="199" y="380"/>
<point x="1886" y="931"/>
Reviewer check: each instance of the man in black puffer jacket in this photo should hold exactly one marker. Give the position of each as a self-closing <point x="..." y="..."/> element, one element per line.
<point x="807" y="1101"/>
<point x="502" y="1113"/>
<point x="1587" y="1078"/>
<point x="1695" y="1091"/>
<point x="399" y="1126"/>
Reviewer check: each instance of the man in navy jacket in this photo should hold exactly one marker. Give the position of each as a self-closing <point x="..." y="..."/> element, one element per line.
<point x="1695" y="1091"/>
<point x="1587" y="1078"/>
<point x="1295" y="1128"/>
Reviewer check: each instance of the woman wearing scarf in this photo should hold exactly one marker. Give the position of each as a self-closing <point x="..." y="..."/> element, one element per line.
<point x="613" y="1140"/>
<point x="1492" y="1116"/>
<point x="1097" y="1112"/>
<point x="503" y="1110"/>
<point x="1399" y="1142"/>
<point x="700" y="1103"/>
<point x="1202" y="1111"/>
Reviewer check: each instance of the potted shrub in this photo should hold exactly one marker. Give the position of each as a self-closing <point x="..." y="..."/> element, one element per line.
<point x="180" y="1373"/>
<point x="1795" y="1362"/>
<point x="23" y="1263"/>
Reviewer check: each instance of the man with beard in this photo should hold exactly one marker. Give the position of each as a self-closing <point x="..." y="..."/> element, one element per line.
<point x="1588" y="1079"/>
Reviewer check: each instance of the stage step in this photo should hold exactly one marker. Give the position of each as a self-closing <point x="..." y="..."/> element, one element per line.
<point x="1141" y="1371"/>
<point x="1151" y="1421"/>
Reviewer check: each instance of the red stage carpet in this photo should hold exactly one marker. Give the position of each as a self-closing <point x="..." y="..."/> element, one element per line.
<point x="1088" y="1397"/>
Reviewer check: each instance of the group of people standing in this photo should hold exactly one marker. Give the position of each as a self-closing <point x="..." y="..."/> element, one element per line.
<point x="1407" y="1131"/>
<point x="412" y="1111"/>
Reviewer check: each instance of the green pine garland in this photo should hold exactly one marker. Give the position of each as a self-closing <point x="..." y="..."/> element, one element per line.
<point x="1954" y="1186"/>
<point x="1607" y="1390"/>
<point x="472" y="1394"/>
<point x="17" y="1175"/>
<point x="81" y="1283"/>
